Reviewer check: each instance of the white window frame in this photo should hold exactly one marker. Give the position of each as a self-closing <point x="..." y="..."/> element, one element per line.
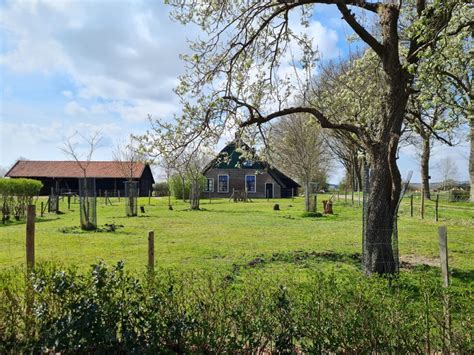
<point x="207" y="185"/>
<point x="255" y="185"/>
<point x="218" y="184"/>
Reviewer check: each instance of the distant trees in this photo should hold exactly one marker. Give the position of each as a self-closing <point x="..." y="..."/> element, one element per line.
<point x="448" y="170"/>
<point x="297" y="147"/>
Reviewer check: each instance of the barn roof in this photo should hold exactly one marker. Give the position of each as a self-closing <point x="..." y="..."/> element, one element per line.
<point x="71" y="169"/>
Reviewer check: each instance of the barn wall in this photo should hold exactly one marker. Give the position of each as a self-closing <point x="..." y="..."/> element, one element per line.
<point x="146" y="181"/>
<point x="237" y="182"/>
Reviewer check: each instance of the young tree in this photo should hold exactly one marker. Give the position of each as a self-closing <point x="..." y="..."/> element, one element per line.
<point x="234" y="76"/>
<point x="163" y="142"/>
<point x="71" y="148"/>
<point x="128" y="158"/>
<point x="296" y="146"/>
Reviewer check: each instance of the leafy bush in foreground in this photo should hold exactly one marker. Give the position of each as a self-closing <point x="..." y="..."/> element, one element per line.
<point x="109" y="310"/>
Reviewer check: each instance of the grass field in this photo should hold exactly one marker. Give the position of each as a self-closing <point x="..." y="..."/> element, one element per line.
<point x="226" y="234"/>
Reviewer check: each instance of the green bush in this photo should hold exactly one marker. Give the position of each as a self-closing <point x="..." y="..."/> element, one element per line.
<point x="161" y="189"/>
<point x="176" y="186"/>
<point x="16" y="195"/>
<point x="108" y="310"/>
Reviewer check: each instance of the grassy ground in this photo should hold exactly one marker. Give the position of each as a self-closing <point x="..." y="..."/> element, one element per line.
<point x="225" y="234"/>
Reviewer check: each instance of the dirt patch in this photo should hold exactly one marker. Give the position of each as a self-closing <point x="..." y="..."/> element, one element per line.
<point x="410" y="261"/>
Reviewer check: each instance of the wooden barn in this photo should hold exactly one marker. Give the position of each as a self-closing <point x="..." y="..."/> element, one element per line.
<point x="234" y="171"/>
<point x="63" y="176"/>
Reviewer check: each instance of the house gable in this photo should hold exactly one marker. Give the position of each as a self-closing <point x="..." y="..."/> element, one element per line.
<point x="238" y="161"/>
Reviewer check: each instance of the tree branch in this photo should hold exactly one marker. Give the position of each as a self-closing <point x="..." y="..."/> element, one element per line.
<point x="360" y="30"/>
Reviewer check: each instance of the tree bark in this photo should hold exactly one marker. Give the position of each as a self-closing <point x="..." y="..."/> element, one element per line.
<point x="425" y="166"/>
<point x="307" y="205"/>
<point x="471" y="156"/>
<point x="380" y="217"/>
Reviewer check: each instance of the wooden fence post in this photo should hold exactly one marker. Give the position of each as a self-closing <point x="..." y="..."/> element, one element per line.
<point x="316" y="202"/>
<point x="411" y="205"/>
<point x="443" y="254"/>
<point x="30" y="237"/>
<point x="422" y="204"/>
<point x="68" y="202"/>
<point x="118" y="195"/>
<point x="151" y="251"/>
<point x="149" y="197"/>
<point x="42" y="211"/>
<point x="436" y="207"/>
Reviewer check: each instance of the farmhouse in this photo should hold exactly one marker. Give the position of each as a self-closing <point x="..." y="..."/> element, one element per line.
<point x="63" y="176"/>
<point x="238" y="169"/>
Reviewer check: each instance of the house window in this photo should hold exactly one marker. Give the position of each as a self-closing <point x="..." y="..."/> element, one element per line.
<point x="210" y="185"/>
<point x="250" y="183"/>
<point x="223" y="183"/>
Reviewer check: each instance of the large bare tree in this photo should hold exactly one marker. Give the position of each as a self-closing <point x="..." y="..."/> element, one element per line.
<point x="234" y="76"/>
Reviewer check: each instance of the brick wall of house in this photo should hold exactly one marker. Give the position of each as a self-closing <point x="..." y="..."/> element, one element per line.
<point x="237" y="182"/>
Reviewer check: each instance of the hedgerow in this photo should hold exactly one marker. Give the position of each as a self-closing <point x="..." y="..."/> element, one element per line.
<point x="109" y="310"/>
<point x="16" y="195"/>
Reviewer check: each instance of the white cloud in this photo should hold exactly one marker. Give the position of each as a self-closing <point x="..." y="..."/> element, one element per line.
<point x="73" y="108"/>
<point x="116" y="51"/>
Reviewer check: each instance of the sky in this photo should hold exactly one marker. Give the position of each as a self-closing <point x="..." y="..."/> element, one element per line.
<point x="106" y="65"/>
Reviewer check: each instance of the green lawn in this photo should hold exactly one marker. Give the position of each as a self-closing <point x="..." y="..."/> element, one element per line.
<point x="225" y="234"/>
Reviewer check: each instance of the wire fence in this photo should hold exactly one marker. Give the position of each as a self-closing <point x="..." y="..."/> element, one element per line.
<point x="116" y="239"/>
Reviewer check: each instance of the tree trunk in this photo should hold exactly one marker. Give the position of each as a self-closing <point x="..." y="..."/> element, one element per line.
<point x="380" y="216"/>
<point x="195" y="195"/>
<point x="471" y="156"/>
<point x="183" y="190"/>
<point x="425" y="166"/>
<point x="307" y="204"/>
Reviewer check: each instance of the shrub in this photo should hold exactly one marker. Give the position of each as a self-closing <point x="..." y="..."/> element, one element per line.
<point x="16" y="195"/>
<point x="176" y="186"/>
<point x="108" y="310"/>
<point x="161" y="189"/>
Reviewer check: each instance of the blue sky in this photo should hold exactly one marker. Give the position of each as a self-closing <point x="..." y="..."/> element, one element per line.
<point x="105" y="65"/>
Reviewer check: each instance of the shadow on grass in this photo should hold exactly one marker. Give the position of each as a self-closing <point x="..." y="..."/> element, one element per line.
<point x="298" y="257"/>
<point x="23" y="222"/>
